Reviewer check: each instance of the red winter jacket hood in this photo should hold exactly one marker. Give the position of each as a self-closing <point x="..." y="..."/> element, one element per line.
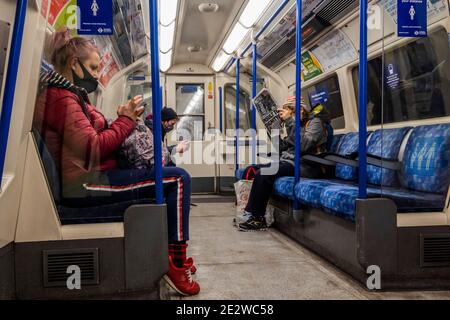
<point x="80" y="141"/>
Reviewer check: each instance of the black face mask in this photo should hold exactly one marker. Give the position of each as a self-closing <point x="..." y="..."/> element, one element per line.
<point x="89" y="83"/>
<point x="168" y="128"/>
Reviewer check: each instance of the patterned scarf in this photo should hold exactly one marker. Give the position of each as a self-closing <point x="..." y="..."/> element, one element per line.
<point x="53" y="79"/>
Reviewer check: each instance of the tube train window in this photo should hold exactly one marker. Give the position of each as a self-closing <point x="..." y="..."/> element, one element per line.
<point x="139" y="84"/>
<point x="416" y="80"/>
<point x="328" y="93"/>
<point x="230" y="108"/>
<point x="191" y="110"/>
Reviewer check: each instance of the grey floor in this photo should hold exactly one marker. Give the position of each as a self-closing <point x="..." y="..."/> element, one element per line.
<point x="265" y="265"/>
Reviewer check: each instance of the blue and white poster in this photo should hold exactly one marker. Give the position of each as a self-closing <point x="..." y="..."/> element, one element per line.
<point x="320" y="96"/>
<point x="95" y="17"/>
<point x="392" y="76"/>
<point x="412" y="18"/>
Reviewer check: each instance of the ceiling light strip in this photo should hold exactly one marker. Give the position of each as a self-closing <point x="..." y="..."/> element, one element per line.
<point x="167" y="29"/>
<point x="251" y="14"/>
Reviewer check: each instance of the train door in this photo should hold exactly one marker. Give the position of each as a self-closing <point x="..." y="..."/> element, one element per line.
<point x="193" y="99"/>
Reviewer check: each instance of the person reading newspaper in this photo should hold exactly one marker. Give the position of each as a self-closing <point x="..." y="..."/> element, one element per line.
<point x="314" y="138"/>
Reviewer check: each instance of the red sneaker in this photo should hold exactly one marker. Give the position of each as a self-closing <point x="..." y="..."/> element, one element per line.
<point x="180" y="279"/>
<point x="190" y="261"/>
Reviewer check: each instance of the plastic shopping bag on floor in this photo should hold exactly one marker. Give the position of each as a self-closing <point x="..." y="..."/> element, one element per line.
<point x="242" y="189"/>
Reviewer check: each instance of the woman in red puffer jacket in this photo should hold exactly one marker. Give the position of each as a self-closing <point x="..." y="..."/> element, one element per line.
<point x="85" y="149"/>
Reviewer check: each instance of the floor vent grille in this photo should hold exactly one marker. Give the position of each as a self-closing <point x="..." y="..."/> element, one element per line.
<point x="57" y="262"/>
<point x="435" y="250"/>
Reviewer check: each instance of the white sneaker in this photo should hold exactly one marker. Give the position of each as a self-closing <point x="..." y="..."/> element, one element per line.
<point x="241" y="218"/>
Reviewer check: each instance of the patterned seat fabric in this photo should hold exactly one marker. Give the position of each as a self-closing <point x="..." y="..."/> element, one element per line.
<point x="426" y="159"/>
<point x="334" y="146"/>
<point x="424" y="178"/>
<point x="425" y="175"/>
<point x="341" y="200"/>
<point x="386" y="144"/>
<point x="308" y="191"/>
<point x="347" y="146"/>
<point x="284" y="187"/>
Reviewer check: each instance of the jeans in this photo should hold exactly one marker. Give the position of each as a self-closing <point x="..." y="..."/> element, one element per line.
<point x="262" y="186"/>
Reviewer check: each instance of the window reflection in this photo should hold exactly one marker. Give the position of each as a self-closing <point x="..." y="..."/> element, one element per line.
<point x="328" y="93"/>
<point x="230" y="108"/>
<point x="190" y="99"/>
<point x="414" y="80"/>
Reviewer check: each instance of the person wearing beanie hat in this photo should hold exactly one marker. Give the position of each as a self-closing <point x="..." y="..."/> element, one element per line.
<point x="168" y="114"/>
<point x="313" y="139"/>
<point x="169" y="119"/>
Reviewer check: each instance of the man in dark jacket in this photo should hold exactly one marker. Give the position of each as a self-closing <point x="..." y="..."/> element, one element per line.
<point x="169" y="119"/>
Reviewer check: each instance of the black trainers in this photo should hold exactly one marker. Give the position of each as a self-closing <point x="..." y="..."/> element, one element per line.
<point x="253" y="224"/>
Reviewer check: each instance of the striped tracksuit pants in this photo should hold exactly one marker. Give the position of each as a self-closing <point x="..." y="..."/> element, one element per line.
<point x="114" y="186"/>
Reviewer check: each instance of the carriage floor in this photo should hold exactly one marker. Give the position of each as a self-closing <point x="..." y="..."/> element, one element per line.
<point x="265" y="265"/>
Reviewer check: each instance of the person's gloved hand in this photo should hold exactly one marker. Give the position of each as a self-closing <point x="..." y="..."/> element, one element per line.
<point x="182" y="147"/>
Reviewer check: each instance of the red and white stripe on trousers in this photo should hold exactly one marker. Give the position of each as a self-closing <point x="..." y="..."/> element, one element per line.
<point x="149" y="183"/>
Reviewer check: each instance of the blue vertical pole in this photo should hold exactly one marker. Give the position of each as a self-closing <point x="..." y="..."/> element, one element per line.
<point x="298" y="93"/>
<point x="255" y="71"/>
<point x="11" y="79"/>
<point x="156" y="101"/>
<point x="238" y="83"/>
<point x="363" y="100"/>
<point x="220" y="109"/>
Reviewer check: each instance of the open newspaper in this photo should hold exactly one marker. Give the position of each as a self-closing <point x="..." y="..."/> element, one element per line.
<point x="267" y="109"/>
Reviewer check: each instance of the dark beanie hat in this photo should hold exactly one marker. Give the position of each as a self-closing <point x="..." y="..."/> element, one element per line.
<point x="168" y="114"/>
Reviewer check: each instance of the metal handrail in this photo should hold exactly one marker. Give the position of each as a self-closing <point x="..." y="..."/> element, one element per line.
<point x="156" y="101"/>
<point x="363" y="100"/>
<point x="11" y="80"/>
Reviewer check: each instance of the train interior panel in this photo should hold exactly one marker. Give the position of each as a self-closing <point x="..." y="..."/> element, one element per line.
<point x="224" y="149"/>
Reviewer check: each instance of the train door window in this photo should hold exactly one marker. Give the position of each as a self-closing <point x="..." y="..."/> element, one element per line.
<point x="230" y="108"/>
<point x="140" y="84"/>
<point x="328" y="93"/>
<point x="190" y="100"/>
<point x="416" y="82"/>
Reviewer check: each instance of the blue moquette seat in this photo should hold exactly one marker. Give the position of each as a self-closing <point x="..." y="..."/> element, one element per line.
<point x="308" y="191"/>
<point x="424" y="177"/>
<point x="284" y="187"/>
<point x="335" y="144"/>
